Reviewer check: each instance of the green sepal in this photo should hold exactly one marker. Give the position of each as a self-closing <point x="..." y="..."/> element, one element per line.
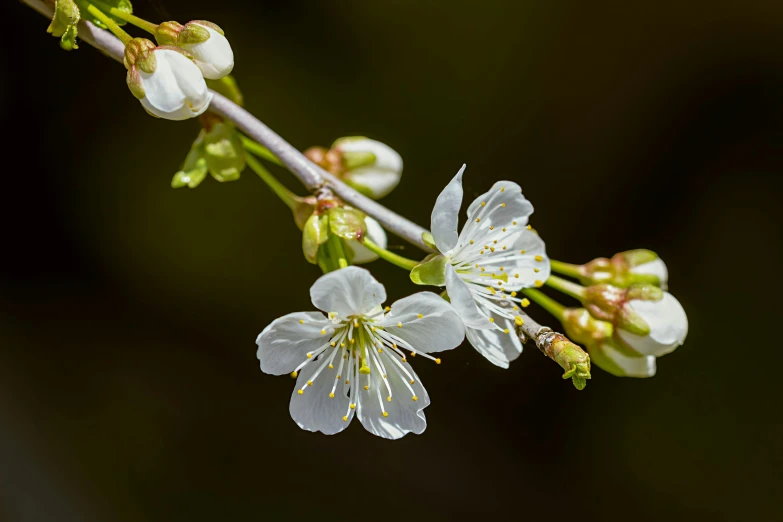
<point x="429" y="240"/>
<point x="227" y="86"/>
<point x="133" y="79"/>
<point x="431" y="271"/>
<point x="314" y="234"/>
<point x="193" y="171"/>
<point x="66" y="17"/>
<point x="354" y="160"/>
<point x="347" y="223"/>
<point x="224" y="152"/>
<point x="599" y="358"/>
<point x="192" y="34"/>
<point x="638" y="257"/>
<point x="122" y="5"/>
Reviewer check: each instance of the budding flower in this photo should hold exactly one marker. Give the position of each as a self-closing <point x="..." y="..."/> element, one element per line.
<point x="217" y="150"/>
<point x="569" y="356"/>
<point x="646" y="319"/>
<point x="596" y="336"/>
<point x="626" y="268"/>
<point x="371" y="167"/>
<point x="165" y="80"/>
<point x="205" y="41"/>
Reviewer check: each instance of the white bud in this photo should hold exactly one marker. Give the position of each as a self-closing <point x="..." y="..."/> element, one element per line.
<point x="667" y="322"/>
<point x="175" y="90"/>
<point x="611" y="360"/>
<point x="377" y="178"/>
<point x="376" y="234"/>
<point x="655" y="268"/>
<point x="213" y="56"/>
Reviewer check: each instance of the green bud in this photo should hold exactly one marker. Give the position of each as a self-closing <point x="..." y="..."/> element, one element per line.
<point x="431" y="271"/>
<point x="192" y="34"/>
<point x="315" y="234"/>
<point x="585" y="329"/>
<point x="135" y="49"/>
<point x="224" y="152"/>
<point x="167" y="33"/>
<point x="610" y="303"/>
<point x="570" y="357"/>
<point x="347" y="223"/>
<point x="193" y="171"/>
<point x="66" y="17"/>
<point x="625" y="269"/>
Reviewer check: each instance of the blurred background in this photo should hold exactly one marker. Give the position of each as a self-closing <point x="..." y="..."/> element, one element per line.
<point x="129" y="385"/>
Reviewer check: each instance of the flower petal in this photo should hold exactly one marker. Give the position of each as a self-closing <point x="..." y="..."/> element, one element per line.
<point x="655" y="268"/>
<point x="611" y="360"/>
<point x="498" y="347"/>
<point x="285" y="343"/>
<point x="445" y="215"/>
<point x="376" y="234"/>
<point x="404" y="414"/>
<point x="463" y="302"/>
<point x="349" y="291"/>
<point x="314" y="409"/>
<point x="515" y="207"/>
<point x="429" y="323"/>
<point x="668" y="326"/>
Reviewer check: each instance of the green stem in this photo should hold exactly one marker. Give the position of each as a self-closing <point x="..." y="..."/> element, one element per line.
<point x="259" y="150"/>
<point x="391" y="257"/>
<point x="566" y="268"/>
<point x="338" y="252"/>
<point x="107" y="21"/>
<point x="288" y="197"/>
<point x="122" y="15"/>
<point x="546" y="302"/>
<point x="567" y="287"/>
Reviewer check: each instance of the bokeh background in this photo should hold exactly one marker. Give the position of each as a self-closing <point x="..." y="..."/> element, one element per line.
<point x="129" y="385"/>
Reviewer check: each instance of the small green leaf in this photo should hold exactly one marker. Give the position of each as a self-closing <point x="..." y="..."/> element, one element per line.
<point x="224" y="152"/>
<point x="66" y="16"/>
<point x="193" y="171"/>
<point x="122" y="5"/>
<point x="431" y="271"/>
<point x="429" y="240"/>
<point x="315" y="234"/>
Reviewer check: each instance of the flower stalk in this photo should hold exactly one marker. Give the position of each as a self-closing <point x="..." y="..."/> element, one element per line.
<point x="391" y="257"/>
<point x="118" y="31"/>
<point x="122" y="15"/>
<point x="567" y="287"/>
<point x="285" y="195"/>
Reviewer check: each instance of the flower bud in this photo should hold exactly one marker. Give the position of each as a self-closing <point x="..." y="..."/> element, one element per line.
<point x="646" y="319"/>
<point x="64" y="23"/>
<point x="205" y="41"/>
<point x="217" y="150"/>
<point x="376" y="234"/>
<point x="569" y="356"/>
<point x="165" y="80"/>
<point x="369" y="166"/>
<point x="626" y="268"/>
<point x="596" y="336"/>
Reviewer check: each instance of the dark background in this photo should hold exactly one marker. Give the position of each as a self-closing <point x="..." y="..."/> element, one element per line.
<point x="129" y="385"/>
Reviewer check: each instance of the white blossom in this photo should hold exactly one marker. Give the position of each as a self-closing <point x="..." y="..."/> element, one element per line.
<point x="214" y="55"/>
<point x="175" y="89"/>
<point x="667" y="322"/>
<point x="378" y="178"/>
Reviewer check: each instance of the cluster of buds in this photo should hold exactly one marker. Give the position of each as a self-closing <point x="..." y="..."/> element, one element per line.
<point x="371" y="167"/>
<point x="331" y="230"/>
<point x="169" y="79"/>
<point x="217" y="150"/>
<point x="627" y="324"/>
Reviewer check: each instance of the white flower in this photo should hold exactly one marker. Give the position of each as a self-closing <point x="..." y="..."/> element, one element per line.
<point x="352" y="360"/>
<point x="171" y="87"/>
<point x="213" y="54"/>
<point x="377" y="178"/>
<point x="494" y="256"/>
<point x="666" y="320"/>
<point x="656" y="268"/>
<point x="376" y="234"/>
<point x="613" y="361"/>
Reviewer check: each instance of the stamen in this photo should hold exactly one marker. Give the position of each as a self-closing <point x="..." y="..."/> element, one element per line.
<point x="301" y="321"/>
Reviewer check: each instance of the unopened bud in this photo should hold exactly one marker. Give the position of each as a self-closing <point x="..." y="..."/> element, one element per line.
<point x="626" y="268"/>
<point x="64" y="23"/>
<point x="217" y="150"/>
<point x="570" y="357"/>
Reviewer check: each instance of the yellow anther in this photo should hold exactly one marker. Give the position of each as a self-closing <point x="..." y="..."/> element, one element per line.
<point x="501" y="268"/>
<point x="525" y="302"/>
<point x="333" y="343"/>
<point x="386" y="414"/>
<point x="332" y="315"/>
<point x="394" y="345"/>
<point x="388" y="399"/>
<point x="505" y="330"/>
<point x="504" y="247"/>
<point x="331" y="395"/>
<point x="483" y="203"/>
<point x="331" y="366"/>
<point x="338" y="377"/>
<point x="404" y="359"/>
<point x="345" y="419"/>
<point x="491" y="227"/>
<point x="492" y="249"/>
<point x="388" y="309"/>
<point x="492" y="290"/>
<point x="513" y="294"/>
<point x="309" y="383"/>
<point x="502" y="204"/>
<point x="529" y="227"/>
<point x="380" y="350"/>
<point x="500" y="283"/>
<point x="471" y="241"/>
<point x="347" y="382"/>
<point x="504" y="229"/>
<point x="502" y="189"/>
<point x="309" y="356"/>
<point x="513" y="222"/>
<point x="373" y="329"/>
<point x="323" y="332"/>
<point x="536" y="270"/>
<point x="413" y="354"/>
<point x="301" y="321"/>
<point x="352" y="340"/>
<point x="294" y="375"/>
<point x="399" y="325"/>
<point x="300" y="392"/>
<point x="539" y="283"/>
<point x="366" y="386"/>
<point x="481" y="253"/>
<point x="437" y="361"/>
<point x="420" y="316"/>
<point x="413" y="382"/>
<point x="355" y="323"/>
<point x="364" y="370"/>
<point x="478" y="219"/>
<point x="515" y="308"/>
<point x="415" y="398"/>
<point x="482" y="269"/>
<point x="516" y="275"/>
<point x="342" y="345"/>
<point x="477" y="265"/>
<point x="353" y="406"/>
<point x="518" y="319"/>
<point x="521" y="251"/>
<point x="538" y="258"/>
<point x="491" y="319"/>
<point x="495" y="242"/>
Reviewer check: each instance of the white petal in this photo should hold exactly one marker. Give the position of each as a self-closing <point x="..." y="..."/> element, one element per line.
<point x="214" y="56"/>
<point x="525" y="265"/>
<point x="463" y="302"/>
<point x="498" y="347"/>
<point x="404" y="414"/>
<point x="285" y="343"/>
<point x="515" y="206"/>
<point x="656" y="268"/>
<point x="611" y="360"/>
<point x="378" y="183"/>
<point x="175" y="90"/>
<point x="445" y="215"/>
<point x="381" y="177"/>
<point x="668" y="326"/>
<point x="438" y="329"/>
<point x="376" y="234"/>
<point x="386" y="158"/>
<point x="314" y="410"/>
<point x="349" y="291"/>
